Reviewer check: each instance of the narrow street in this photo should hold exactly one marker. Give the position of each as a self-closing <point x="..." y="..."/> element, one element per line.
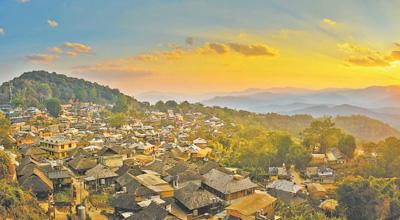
<point x="296" y="177"/>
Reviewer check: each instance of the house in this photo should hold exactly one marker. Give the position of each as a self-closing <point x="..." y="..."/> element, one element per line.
<point x="200" y="142"/>
<point x="124" y="202"/>
<point x="25" y="138"/>
<point x="81" y="164"/>
<point x="113" y="156"/>
<point x="37" y="182"/>
<point x="99" y="176"/>
<point x="284" y="190"/>
<point x="318" y="160"/>
<point x="144" y="148"/>
<point x="57" y="146"/>
<point x="60" y="178"/>
<point x="227" y="187"/>
<point x="209" y="165"/>
<point x="253" y="206"/>
<point x="335" y="157"/>
<point x="151" y="212"/>
<point x="196" y="152"/>
<point x="32" y="151"/>
<point x="195" y="200"/>
<point x="275" y="173"/>
<point x="316" y="191"/>
<point x="155" y="184"/>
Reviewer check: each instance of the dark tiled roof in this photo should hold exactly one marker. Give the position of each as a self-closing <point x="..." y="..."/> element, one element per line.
<point x="226" y="183"/>
<point x="125" y="201"/>
<point x="151" y="212"/>
<point x="82" y="163"/>
<point x="58" y="174"/>
<point x="194" y="197"/>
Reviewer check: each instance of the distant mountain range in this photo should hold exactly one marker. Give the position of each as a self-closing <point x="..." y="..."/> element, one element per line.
<point x="295" y="106"/>
<point x="378" y="102"/>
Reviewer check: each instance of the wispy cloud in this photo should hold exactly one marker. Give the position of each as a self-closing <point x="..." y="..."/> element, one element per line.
<point x="74" y="49"/>
<point x="328" y="22"/>
<point x="368" y="57"/>
<point x="2" y="31"/>
<point x="52" y="23"/>
<point x="53" y="53"/>
<point x="23" y="1"/>
<point x="56" y="50"/>
<point x="41" y="58"/>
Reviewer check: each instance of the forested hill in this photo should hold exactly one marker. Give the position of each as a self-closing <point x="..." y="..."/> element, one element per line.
<point x="34" y="88"/>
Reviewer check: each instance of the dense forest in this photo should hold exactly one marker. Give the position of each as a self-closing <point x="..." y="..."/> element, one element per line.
<point x="35" y="88"/>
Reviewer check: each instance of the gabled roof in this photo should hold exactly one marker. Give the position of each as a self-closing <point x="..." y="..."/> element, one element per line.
<point x="178" y="168"/>
<point x="253" y="203"/>
<point x="132" y="169"/>
<point x="212" y="165"/>
<point x="58" y="174"/>
<point x="226" y="183"/>
<point x="37" y="182"/>
<point x="82" y="163"/>
<point x="284" y="185"/>
<point x="100" y="171"/>
<point x="125" y="201"/>
<point x="151" y="212"/>
<point x="192" y="196"/>
<point x="31" y="150"/>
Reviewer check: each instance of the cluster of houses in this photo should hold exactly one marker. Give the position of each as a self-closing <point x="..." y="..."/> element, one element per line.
<point x="151" y="170"/>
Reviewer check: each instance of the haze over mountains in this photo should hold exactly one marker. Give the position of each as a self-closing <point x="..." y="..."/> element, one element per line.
<point x="378" y="102"/>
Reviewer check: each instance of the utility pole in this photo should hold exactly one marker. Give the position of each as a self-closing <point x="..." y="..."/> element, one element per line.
<point x="11" y="92"/>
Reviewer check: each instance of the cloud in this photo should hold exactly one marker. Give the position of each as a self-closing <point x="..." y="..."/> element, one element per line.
<point x="157" y="56"/>
<point x="368" y="61"/>
<point x="74" y="49"/>
<point x="397" y="44"/>
<point x="56" y="50"/>
<point x="243" y="49"/>
<point x="53" y="53"/>
<point x="327" y="22"/>
<point x="395" y="55"/>
<point x="355" y="49"/>
<point x="218" y="48"/>
<point x="41" y="58"/>
<point x="23" y="1"/>
<point x="2" y="31"/>
<point x="253" y="49"/>
<point x="52" y="23"/>
<point x="365" y="56"/>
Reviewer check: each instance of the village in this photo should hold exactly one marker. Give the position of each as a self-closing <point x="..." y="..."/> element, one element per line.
<point x="151" y="168"/>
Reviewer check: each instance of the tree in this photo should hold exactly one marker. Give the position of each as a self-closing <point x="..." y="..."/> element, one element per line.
<point x="347" y="145"/>
<point x="171" y="104"/>
<point x="322" y="133"/>
<point x="358" y="199"/>
<point x="121" y="105"/>
<point x="5" y="126"/>
<point x="160" y="106"/>
<point x="53" y="106"/>
<point x="5" y="162"/>
<point x="18" y="101"/>
<point x="117" y="119"/>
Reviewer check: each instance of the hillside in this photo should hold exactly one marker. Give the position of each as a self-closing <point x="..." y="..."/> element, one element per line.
<point x="33" y="88"/>
<point x="36" y="87"/>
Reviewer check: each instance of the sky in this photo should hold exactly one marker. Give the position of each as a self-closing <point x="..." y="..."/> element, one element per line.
<point x="204" y="46"/>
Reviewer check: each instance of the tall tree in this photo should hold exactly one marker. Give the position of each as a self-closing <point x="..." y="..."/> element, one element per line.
<point x="53" y="106"/>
